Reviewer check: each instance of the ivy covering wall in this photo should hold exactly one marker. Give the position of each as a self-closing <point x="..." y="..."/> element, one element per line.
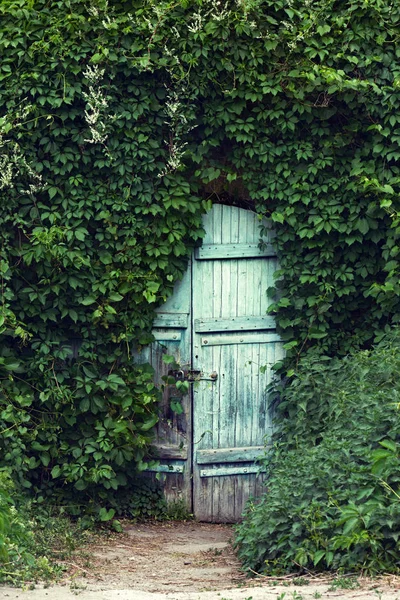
<point x="120" y="123"/>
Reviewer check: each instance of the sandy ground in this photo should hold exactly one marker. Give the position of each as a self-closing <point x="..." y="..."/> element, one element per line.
<point x="184" y="561"/>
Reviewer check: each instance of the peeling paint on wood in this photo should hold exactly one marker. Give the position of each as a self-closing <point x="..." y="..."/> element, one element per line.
<point x="167" y="336"/>
<point x="163" y="468"/>
<point x="223" y="455"/>
<point x="229" y="471"/>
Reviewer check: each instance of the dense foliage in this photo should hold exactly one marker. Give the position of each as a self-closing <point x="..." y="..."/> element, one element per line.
<point x="333" y="493"/>
<point x="119" y="122"/>
<point x="92" y="237"/>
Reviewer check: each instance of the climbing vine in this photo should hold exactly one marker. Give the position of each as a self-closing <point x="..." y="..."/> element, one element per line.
<point x="120" y="123"/>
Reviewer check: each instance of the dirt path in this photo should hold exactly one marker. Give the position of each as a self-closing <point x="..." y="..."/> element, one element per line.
<point x="168" y="557"/>
<point x="183" y="561"/>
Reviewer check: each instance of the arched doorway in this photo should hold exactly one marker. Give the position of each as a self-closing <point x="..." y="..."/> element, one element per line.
<point x="216" y="327"/>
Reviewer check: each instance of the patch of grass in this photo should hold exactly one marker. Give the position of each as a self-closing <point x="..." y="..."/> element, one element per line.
<point x="178" y="511"/>
<point x="76" y="588"/>
<point x="301" y="581"/>
<point x="344" y="583"/>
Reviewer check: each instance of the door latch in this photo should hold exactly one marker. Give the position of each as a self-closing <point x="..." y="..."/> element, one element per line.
<point x="178" y="374"/>
<point x="191" y="375"/>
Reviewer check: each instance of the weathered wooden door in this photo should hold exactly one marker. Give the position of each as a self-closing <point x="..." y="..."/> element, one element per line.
<point x="217" y="328"/>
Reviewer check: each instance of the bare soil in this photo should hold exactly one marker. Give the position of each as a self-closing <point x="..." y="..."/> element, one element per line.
<point x="164" y="557"/>
<point x="185" y="561"/>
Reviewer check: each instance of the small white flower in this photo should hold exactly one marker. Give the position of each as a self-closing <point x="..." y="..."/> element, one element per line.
<point x="96" y="115"/>
<point x="12" y="162"/>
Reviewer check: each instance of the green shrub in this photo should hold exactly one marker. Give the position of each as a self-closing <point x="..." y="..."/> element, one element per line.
<point x="144" y="500"/>
<point x="20" y="557"/>
<point x="35" y="538"/>
<point x="332" y="498"/>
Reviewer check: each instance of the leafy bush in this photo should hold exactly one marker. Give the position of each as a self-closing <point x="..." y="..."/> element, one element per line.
<point x="144" y="500"/>
<point x="20" y="556"/>
<point x="36" y="538"/>
<point x="332" y="498"/>
<point x="52" y="437"/>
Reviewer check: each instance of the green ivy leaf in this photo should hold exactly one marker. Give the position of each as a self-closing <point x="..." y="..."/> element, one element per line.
<point x="88" y="300"/>
<point x="176" y="407"/>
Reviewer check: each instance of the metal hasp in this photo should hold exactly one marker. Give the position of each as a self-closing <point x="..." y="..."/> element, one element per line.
<point x="193" y="375"/>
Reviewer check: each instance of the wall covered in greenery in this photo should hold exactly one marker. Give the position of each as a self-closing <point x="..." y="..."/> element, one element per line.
<point x="119" y="123"/>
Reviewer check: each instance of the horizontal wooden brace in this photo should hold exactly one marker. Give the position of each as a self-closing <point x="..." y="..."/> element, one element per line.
<point x="230" y="455"/>
<point x="221" y="471"/>
<point x="166" y="469"/>
<point x="172" y="320"/>
<point x="234" y="324"/>
<point x="223" y="251"/>
<point x="165" y="451"/>
<point x="167" y="336"/>
<point x="246" y="338"/>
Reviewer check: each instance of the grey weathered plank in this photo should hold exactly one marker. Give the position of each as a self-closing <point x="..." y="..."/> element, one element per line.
<point x="230" y="471"/>
<point x="174" y="320"/>
<point x="173" y="430"/>
<point x="229" y="455"/>
<point x="170" y="451"/>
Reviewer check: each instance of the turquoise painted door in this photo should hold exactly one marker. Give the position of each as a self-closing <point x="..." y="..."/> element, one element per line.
<point x="216" y="325"/>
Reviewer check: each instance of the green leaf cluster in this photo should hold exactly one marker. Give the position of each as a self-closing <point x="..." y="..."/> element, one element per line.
<point x="296" y="118"/>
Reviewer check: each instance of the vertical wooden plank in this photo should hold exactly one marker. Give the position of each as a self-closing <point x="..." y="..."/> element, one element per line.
<point x="254" y="271"/>
<point x="221" y="286"/>
<point x="205" y="397"/>
<point x="225" y="487"/>
<point x="238" y="233"/>
<point x="240" y="309"/>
